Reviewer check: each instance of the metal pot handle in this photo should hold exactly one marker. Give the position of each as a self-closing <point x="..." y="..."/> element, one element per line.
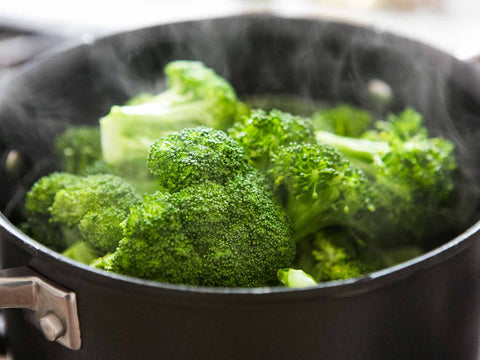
<point x="51" y="309"/>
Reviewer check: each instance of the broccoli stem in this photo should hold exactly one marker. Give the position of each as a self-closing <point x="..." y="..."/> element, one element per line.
<point x="295" y="278"/>
<point x="353" y="148"/>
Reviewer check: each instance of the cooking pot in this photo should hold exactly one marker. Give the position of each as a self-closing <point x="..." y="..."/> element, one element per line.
<point x="426" y="308"/>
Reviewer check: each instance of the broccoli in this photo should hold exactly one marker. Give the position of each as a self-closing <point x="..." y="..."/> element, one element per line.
<point x="261" y="134"/>
<point x="411" y="176"/>
<point x="336" y="253"/>
<point x="318" y="187"/>
<point x="195" y="96"/>
<point x="37" y="211"/>
<point x="62" y="209"/>
<point x="194" y="155"/>
<point x="295" y="278"/>
<point x="209" y="234"/>
<point x="344" y="120"/>
<point x="95" y="205"/>
<point x="78" y="147"/>
<point x="216" y="223"/>
<point x="232" y="200"/>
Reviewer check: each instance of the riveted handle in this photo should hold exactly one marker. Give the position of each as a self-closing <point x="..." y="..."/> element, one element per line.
<point x="51" y="309"/>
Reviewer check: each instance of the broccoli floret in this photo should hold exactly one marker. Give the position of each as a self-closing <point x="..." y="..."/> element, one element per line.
<point x="62" y="209"/>
<point x="101" y="227"/>
<point x="412" y="176"/>
<point x="78" y="147"/>
<point x="336" y="253"/>
<point x="344" y="120"/>
<point x="91" y="193"/>
<point x="295" y="278"/>
<point x="318" y="187"/>
<point x="209" y="234"/>
<point x="195" y="96"/>
<point x="95" y="205"/>
<point x="37" y="211"/>
<point x="195" y="155"/>
<point x="261" y="134"/>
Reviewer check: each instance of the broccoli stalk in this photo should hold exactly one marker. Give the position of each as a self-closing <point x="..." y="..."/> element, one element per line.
<point x="295" y="278"/>
<point x="195" y="96"/>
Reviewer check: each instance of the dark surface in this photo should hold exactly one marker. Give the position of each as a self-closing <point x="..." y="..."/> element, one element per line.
<point x="425" y="309"/>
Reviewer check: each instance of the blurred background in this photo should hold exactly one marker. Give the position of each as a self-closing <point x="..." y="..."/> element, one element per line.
<point x="29" y="27"/>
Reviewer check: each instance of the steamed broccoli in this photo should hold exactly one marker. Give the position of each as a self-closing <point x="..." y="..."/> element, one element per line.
<point x="295" y="278"/>
<point x="78" y="147"/>
<point x="196" y="155"/>
<point x="210" y="234"/>
<point x="412" y="176"/>
<point x="63" y="209"/>
<point x="319" y="187"/>
<point x="37" y="211"/>
<point x="195" y="96"/>
<point x="261" y="134"/>
<point x="216" y="225"/>
<point x="235" y="200"/>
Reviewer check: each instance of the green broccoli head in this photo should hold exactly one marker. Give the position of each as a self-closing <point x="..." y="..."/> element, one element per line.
<point x="319" y="187"/>
<point x="37" y="211"/>
<point x="195" y="96"/>
<point x="95" y="205"/>
<point x="195" y="155"/>
<point x="62" y="209"/>
<point x="101" y="227"/>
<point x="261" y="134"/>
<point x="335" y="253"/>
<point x="209" y="234"/>
<point x="78" y="147"/>
<point x="91" y="193"/>
<point x="344" y="120"/>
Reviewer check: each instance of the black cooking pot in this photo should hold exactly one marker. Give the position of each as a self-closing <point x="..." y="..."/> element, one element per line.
<point x="427" y="308"/>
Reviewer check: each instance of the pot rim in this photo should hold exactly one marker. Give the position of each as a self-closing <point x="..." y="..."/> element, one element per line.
<point x="329" y="289"/>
